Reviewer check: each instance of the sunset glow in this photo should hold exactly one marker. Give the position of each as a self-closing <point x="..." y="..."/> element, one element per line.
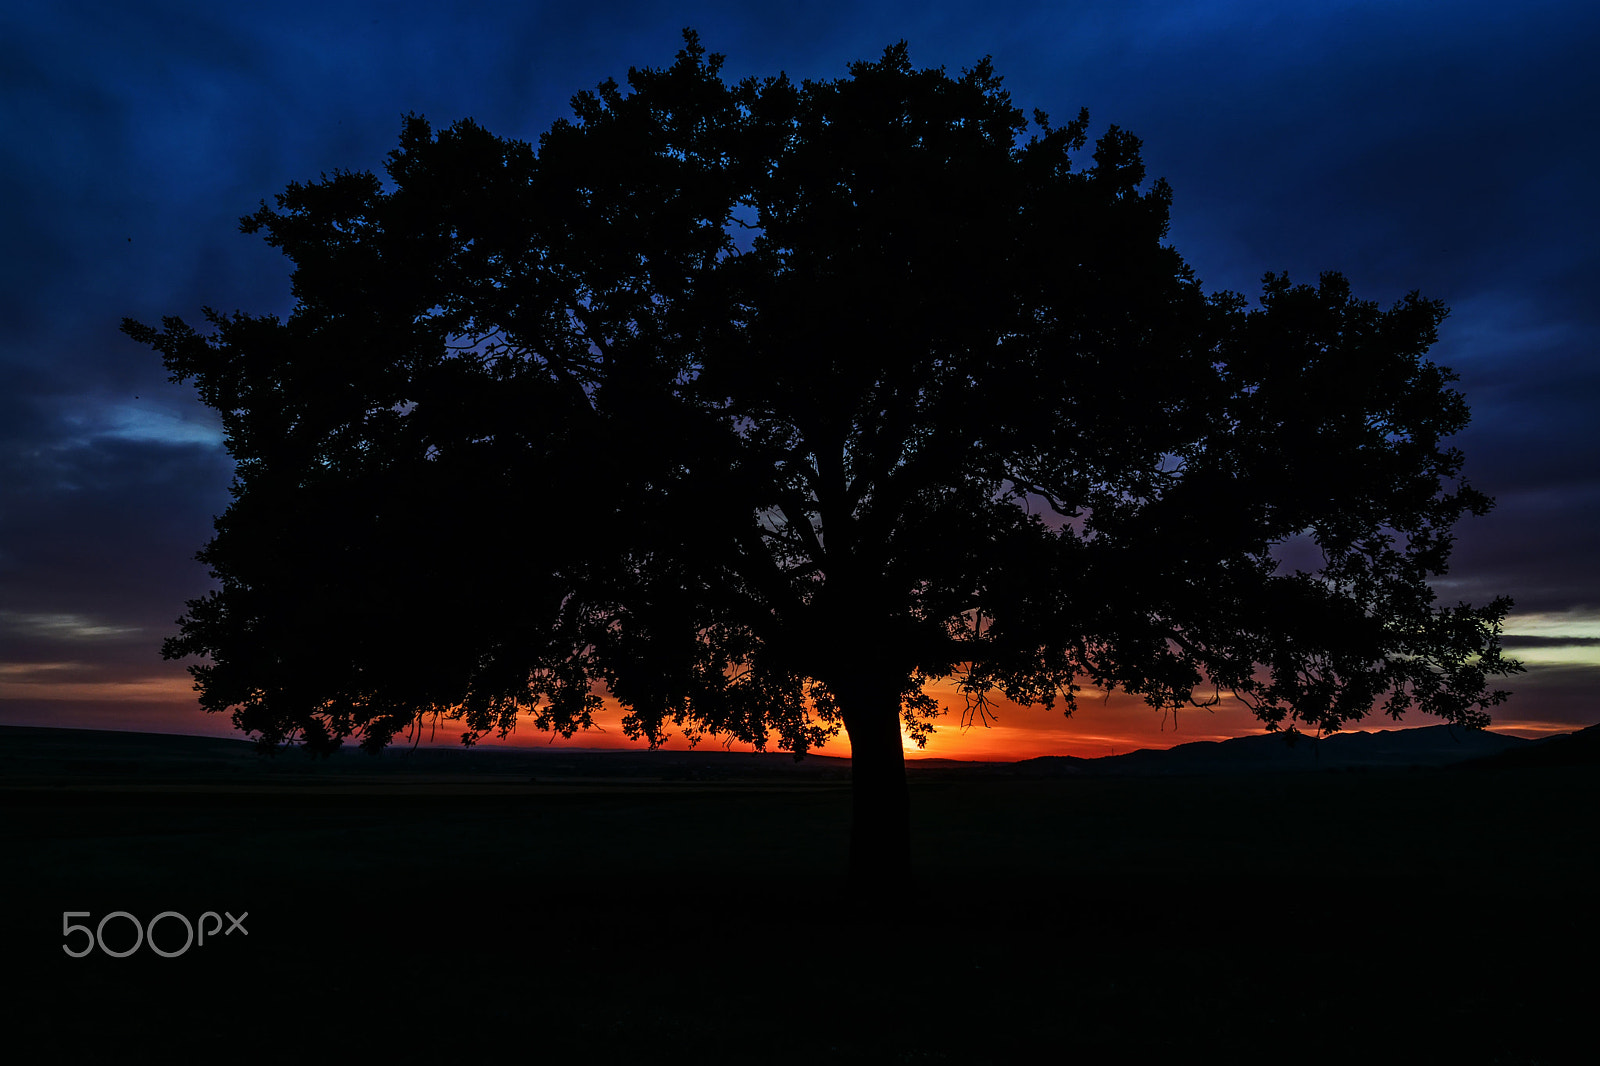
<point x="58" y="694"/>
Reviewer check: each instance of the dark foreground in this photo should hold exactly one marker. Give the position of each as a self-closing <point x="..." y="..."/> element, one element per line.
<point x="695" y="914"/>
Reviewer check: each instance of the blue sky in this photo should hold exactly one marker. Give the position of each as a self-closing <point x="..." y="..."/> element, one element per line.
<point x="1448" y="148"/>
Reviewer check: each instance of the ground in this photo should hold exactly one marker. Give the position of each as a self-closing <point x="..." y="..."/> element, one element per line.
<point x="691" y="910"/>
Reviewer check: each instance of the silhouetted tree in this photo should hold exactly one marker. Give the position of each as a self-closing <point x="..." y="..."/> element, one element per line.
<point x="765" y="404"/>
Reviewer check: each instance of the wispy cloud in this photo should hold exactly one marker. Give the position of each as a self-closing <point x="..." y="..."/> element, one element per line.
<point x="170" y="690"/>
<point x="1555" y="638"/>
<point x="41" y="671"/>
<point x="62" y="626"/>
<point x="147" y="422"/>
<point x="1580" y="624"/>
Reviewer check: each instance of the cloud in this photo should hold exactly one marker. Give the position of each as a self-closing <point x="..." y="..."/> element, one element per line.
<point x="61" y="626"/>
<point x="153" y="423"/>
<point x="98" y="533"/>
<point x="1576" y="627"/>
<point x="1564" y="653"/>
<point x="165" y="690"/>
<point x="36" y="671"/>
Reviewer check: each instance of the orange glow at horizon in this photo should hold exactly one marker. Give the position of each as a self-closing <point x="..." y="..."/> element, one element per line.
<point x="37" y="683"/>
<point x="45" y="695"/>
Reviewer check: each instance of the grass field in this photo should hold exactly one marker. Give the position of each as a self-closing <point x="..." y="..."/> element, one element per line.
<point x="697" y="914"/>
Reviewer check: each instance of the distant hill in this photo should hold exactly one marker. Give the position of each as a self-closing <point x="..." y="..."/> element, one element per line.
<point x="1564" y="749"/>
<point x="1426" y="746"/>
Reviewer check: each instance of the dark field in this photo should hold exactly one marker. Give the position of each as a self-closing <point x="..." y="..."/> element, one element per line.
<point x="690" y="907"/>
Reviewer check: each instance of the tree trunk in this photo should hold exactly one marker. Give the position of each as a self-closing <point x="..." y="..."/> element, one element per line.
<point x="880" y="825"/>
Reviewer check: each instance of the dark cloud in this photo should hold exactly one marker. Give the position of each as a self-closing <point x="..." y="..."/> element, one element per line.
<point x="1536" y="546"/>
<point x="1513" y="640"/>
<point x="1555" y="699"/>
<point x="102" y="507"/>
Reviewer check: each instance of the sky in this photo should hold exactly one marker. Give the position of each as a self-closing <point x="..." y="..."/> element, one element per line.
<point x="1443" y="147"/>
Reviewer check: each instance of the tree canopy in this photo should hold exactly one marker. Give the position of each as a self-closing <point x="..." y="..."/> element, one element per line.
<point x="764" y="404"/>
